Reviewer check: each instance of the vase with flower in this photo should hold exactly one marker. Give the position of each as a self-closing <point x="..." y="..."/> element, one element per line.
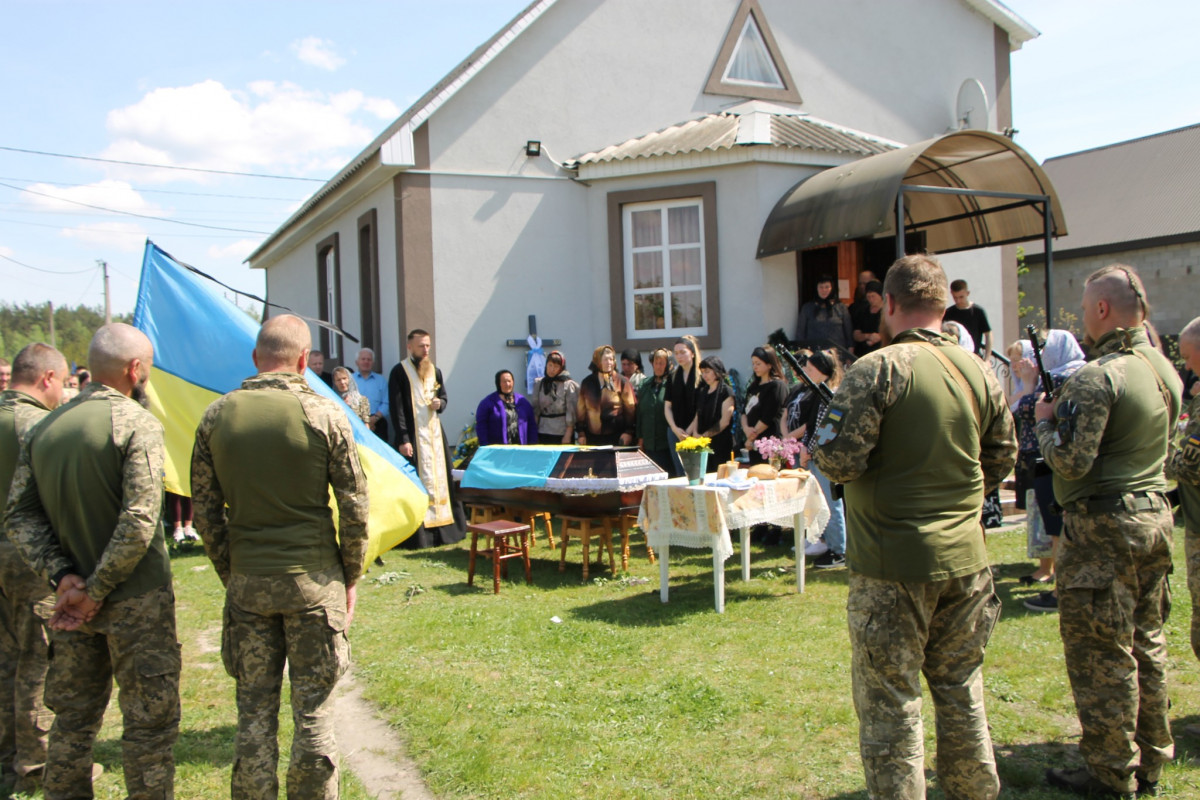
<point x="693" y="453"/>
<point x="777" y="450"/>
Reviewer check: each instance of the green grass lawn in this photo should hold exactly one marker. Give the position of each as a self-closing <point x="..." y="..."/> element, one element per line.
<point x="630" y="698"/>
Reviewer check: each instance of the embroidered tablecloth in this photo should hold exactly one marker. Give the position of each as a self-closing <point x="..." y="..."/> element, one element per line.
<point x="676" y="514"/>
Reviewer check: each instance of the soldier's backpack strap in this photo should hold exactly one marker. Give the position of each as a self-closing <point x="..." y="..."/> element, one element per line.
<point x="1162" y="388"/>
<point x="959" y="378"/>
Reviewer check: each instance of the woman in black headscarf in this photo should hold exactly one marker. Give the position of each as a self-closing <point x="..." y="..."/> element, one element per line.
<point x="714" y="411"/>
<point x="554" y="400"/>
<point x="825" y="322"/>
<point x="631" y="367"/>
<point x="504" y="417"/>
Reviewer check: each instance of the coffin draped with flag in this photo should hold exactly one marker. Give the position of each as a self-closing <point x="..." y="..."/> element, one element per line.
<point x="202" y="346"/>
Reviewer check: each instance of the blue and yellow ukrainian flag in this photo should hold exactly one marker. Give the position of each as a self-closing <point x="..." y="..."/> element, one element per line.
<point x="202" y="345"/>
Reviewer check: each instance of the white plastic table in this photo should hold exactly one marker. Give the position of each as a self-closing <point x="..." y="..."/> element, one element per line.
<point x="674" y="513"/>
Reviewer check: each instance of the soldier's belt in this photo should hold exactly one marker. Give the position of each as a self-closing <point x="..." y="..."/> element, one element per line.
<point x="1108" y="503"/>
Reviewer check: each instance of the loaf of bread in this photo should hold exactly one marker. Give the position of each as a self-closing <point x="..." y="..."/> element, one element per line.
<point x="764" y="472"/>
<point x="802" y="474"/>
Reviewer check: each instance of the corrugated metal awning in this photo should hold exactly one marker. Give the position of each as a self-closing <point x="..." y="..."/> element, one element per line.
<point x="745" y="126"/>
<point x="982" y="191"/>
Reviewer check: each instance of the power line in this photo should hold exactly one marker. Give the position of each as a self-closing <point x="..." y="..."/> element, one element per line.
<point x="163" y="166"/>
<point x="91" y="283"/>
<point x="50" y="271"/>
<point x="132" y="213"/>
<point x="163" y="191"/>
<point x="138" y="234"/>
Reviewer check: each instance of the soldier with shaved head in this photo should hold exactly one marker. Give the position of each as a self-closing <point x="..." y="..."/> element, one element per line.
<point x="265" y="458"/>
<point x="85" y="511"/>
<point x="1105" y="437"/>
<point x="25" y="599"/>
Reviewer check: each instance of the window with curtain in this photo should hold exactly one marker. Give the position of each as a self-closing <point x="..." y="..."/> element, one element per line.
<point x="751" y="61"/>
<point x="329" y="302"/>
<point x="664" y="257"/>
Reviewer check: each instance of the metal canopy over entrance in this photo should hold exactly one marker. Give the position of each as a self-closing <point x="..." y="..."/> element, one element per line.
<point x="964" y="190"/>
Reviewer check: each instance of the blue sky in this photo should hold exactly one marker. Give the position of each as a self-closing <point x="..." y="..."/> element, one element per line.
<point x="296" y="89"/>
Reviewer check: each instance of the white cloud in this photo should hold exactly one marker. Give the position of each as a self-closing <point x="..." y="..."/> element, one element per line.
<point x="317" y="52"/>
<point x="7" y="252"/>
<point x="128" y="237"/>
<point x="108" y="194"/>
<point x="277" y="127"/>
<point x="236" y="251"/>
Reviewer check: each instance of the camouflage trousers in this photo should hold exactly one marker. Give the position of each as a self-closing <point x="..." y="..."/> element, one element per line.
<point x="300" y="619"/>
<point x="1191" y="546"/>
<point x="897" y="632"/>
<point x="25" y="601"/>
<point x="132" y="641"/>
<point x="1113" y="600"/>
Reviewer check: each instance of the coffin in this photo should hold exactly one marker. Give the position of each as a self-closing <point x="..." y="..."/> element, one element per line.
<point x="579" y="481"/>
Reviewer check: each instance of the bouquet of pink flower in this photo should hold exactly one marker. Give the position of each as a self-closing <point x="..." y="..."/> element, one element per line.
<point x="774" y="447"/>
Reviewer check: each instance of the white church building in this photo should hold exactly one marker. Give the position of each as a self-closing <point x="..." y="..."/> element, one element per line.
<point x="621" y="169"/>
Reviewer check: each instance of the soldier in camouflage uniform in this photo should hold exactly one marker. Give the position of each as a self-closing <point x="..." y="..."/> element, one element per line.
<point x="25" y="599"/>
<point x="85" y="511"/>
<point x="271" y="450"/>
<point x="1184" y="467"/>
<point x="919" y="432"/>
<point x="1105" y="437"/>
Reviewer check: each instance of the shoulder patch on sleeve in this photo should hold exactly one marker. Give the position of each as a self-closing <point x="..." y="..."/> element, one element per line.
<point x="1064" y="432"/>
<point x="830" y="427"/>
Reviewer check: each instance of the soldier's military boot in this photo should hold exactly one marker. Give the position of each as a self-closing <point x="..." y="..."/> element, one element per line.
<point x="1080" y="781"/>
<point x="1147" y="787"/>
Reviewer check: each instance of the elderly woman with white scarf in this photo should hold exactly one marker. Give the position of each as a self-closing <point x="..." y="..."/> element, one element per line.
<point x="343" y="384"/>
<point x="1061" y="356"/>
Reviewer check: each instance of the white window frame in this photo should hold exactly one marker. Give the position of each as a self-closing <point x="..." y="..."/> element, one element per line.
<point x="750" y="30"/>
<point x="628" y="250"/>
<point x="331" y="299"/>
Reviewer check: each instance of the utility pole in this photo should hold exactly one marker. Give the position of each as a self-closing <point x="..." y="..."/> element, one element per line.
<point x="53" y="343"/>
<point x="107" y="299"/>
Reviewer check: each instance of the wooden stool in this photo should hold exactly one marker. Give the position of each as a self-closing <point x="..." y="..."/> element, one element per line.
<point x="483" y="512"/>
<point x="628" y="522"/>
<point x="503" y="548"/>
<point x="530" y="516"/>
<point x="586" y="528"/>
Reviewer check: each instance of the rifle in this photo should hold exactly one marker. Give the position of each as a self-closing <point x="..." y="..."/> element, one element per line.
<point x="823" y="391"/>
<point x="836" y="490"/>
<point x="1047" y="383"/>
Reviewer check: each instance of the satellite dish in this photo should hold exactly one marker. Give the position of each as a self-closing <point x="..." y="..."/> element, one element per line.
<point x="971" y="107"/>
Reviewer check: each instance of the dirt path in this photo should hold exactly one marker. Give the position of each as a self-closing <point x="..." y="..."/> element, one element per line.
<point x="372" y="750"/>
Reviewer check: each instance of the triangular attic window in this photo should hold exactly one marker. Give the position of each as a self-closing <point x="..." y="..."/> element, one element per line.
<point x="750" y="64"/>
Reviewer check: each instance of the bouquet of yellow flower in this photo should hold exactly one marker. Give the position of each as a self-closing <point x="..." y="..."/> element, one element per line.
<point x="693" y="444"/>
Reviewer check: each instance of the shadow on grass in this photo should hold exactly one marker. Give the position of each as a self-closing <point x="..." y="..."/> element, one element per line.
<point x="641" y="609"/>
<point x="211" y="746"/>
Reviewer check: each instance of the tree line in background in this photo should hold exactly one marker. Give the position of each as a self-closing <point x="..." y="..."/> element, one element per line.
<point x="73" y="328"/>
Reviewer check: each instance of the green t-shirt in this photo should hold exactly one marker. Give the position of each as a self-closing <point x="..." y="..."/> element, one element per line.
<point x="901" y="433"/>
<point x="1113" y="423"/>
<point x="96" y="469"/>
<point x="11" y="435"/>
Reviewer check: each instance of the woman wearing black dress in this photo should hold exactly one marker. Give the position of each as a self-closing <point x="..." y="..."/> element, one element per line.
<point x="680" y="405"/>
<point x="765" y="398"/>
<point x="714" y="412"/>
